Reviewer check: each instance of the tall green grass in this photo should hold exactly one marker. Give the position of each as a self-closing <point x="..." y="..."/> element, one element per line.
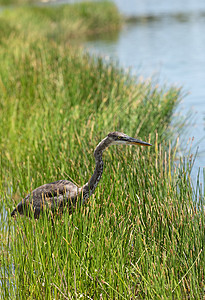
<point x="60" y="23"/>
<point x="141" y="235"/>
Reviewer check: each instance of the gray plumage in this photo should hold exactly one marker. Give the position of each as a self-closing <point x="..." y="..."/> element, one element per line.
<point x="61" y="193"/>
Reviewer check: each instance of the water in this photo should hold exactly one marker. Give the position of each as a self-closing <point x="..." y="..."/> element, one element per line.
<point x="170" y="46"/>
<point x="155" y="7"/>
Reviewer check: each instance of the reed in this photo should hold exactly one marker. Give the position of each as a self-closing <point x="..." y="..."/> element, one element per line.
<point x="61" y="23"/>
<point x="141" y="235"/>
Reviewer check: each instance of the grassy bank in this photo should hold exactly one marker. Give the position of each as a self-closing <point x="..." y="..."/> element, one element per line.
<point x="60" y="23"/>
<point x="17" y="2"/>
<point x="140" y="235"/>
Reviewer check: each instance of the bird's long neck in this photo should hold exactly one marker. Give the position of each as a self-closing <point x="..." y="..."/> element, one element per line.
<point x="91" y="185"/>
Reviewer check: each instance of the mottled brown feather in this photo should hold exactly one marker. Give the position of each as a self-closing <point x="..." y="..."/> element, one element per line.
<point x="54" y="195"/>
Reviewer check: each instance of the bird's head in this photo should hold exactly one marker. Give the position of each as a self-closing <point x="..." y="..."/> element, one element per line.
<point x="119" y="138"/>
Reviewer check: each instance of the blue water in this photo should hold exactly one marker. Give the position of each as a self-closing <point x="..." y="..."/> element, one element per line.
<point x="170" y="47"/>
<point x="155" y="7"/>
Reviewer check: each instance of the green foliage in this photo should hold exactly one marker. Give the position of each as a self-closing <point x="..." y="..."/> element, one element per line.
<point x="17" y="2"/>
<point x="61" y="22"/>
<point x="141" y="235"/>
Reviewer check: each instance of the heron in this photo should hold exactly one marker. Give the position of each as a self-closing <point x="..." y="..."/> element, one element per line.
<point x="62" y="193"/>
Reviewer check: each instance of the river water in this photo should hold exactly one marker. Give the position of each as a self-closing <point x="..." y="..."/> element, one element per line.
<point x="165" y="40"/>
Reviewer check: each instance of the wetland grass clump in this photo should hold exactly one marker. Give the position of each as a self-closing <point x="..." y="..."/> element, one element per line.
<point x="17" y="2"/>
<point x="62" y="22"/>
<point x="141" y="235"/>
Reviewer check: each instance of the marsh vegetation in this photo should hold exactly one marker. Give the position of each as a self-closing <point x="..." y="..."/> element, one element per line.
<point x="141" y="235"/>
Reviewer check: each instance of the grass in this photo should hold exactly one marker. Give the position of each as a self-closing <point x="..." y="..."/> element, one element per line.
<point x="60" y="23"/>
<point x="141" y="235"/>
<point x="17" y="2"/>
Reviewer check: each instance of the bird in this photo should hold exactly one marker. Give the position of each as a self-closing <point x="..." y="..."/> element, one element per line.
<point x="59" y="194"/>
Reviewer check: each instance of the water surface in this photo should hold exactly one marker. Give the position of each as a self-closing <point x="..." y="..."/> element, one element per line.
<point x="165" y="40"/>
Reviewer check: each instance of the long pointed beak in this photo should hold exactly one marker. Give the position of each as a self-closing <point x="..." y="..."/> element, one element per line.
<point x="133" y="141"/>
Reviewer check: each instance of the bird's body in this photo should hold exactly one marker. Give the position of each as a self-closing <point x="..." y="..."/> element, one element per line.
<point x="54" y="195"/>
<point x="61" y="193"/>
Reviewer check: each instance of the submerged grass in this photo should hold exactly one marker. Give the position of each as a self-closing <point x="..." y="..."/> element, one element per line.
<point x="141" y="235"/>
